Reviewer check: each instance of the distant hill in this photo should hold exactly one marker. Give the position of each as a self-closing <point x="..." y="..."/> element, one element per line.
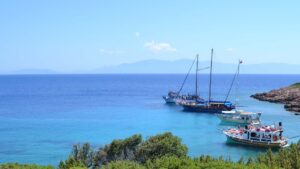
<point x="177" y="66"/>
<point x="182" y="66"/>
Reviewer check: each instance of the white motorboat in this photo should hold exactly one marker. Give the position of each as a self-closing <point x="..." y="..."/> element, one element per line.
<point x="259" y="136"/>
<point x="240" y="117"/>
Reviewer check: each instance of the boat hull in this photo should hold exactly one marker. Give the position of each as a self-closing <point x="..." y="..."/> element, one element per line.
<point x="204" y="109"/>
<point x="169" y="100"/>
<point x="252" y="143"/>
<point x="225" y="119"/>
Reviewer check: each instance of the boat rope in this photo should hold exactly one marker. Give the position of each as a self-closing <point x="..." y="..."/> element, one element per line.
<point x="204" y="68"/>
<point x="186" y="76"/>
<point x="294" y="137"/>
<point x="234" y="77"/>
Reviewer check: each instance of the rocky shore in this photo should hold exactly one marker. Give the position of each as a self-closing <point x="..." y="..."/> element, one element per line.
<point x="289" y="96"/>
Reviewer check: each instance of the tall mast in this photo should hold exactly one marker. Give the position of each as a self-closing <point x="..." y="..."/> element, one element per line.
<point x="234" y="77"/>
<point x="210" y="75"/>
<point x="197" y="75"/>
<point x="237" y="86"/>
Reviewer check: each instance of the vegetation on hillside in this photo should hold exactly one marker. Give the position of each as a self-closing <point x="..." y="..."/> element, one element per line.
<point x="129" y="149"/>
<point x="163" y="151"/>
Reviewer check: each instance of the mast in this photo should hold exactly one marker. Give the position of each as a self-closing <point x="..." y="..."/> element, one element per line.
<point x="210" y="75"/>
<point x="238" y="84"/>
<point x="234" y="77"/>
<point x="186" y="76"/>
<point x="197" y="75"/>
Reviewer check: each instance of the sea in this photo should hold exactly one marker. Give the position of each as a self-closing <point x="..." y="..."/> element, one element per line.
<point x="42" y="116"/>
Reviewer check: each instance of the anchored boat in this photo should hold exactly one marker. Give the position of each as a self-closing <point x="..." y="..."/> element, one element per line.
<point x="240" y="117"/>
<point x="174" y="97"/>
<point x="171" y="97"/>
<point x="258" y="136"/>
<point x="206" y="106"/>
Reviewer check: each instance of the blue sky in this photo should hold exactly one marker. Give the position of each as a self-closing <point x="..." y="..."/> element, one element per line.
<point x="83" y="35"/>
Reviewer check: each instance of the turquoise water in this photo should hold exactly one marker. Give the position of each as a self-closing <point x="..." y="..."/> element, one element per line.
<point x="42" y="116"/>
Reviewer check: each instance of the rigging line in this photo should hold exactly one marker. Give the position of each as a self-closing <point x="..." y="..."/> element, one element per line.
<point x="234" y="77"/>
<point x="237" y="98"/>
<point x="294" y="137"/>
<point x="186" y="77"/>
<point x="210" y="75"/>
<point x="204" y="68"/>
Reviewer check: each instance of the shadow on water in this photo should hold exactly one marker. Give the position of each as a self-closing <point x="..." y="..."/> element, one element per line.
<point x="171" y="105"/>
<point x="250" y="148"/>
<point x="194" y="112"/>
<point x="231" y="124"/>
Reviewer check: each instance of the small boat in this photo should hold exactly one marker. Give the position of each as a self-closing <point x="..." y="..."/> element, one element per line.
<point x="258" y="136"/>
<point x="171" y="97"/>
<point x="240" y="117"/>
<point x="174" y="97"/>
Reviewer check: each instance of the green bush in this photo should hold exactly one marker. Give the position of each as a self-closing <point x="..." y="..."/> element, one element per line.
<point x="123" y="165"/>
<point x="129" y="149"/>
<point x="287" y="158"/>
<point x="161" y="145"/>
<point x="204" y="162"/>
<point x="117" y="150"/>
<point x="23" y="166"/>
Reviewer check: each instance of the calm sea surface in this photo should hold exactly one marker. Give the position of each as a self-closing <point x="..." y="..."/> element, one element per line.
<point x="42" y="116"/>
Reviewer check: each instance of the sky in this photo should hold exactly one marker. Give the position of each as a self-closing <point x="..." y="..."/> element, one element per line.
<point x="75" y="35"/>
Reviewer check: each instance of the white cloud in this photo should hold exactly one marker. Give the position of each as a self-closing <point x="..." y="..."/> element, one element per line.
<point x="137" y="34"/>
<point x="159" y="47"/>
<point x="110" y="52"/>
<point x="230" y="49"/>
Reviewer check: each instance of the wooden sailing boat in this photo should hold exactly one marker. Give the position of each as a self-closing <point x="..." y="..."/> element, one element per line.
<point x="175" y="96"/>
<point x="206" y="106"/>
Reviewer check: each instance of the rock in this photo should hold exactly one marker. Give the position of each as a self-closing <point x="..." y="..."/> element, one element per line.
<point x="289" y="96"/>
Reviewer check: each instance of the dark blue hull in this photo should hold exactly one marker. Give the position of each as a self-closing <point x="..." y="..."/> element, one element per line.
<point x="205" y="109"/>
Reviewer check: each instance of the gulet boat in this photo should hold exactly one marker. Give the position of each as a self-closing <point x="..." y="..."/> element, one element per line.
<point x="209" y="105"/>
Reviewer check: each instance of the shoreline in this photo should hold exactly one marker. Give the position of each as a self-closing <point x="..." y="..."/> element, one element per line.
<point x="289" y="96"/>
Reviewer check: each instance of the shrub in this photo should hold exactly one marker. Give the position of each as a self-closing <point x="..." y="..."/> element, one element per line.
<point x="123" y="165"/>
<point x="161" y="145"/>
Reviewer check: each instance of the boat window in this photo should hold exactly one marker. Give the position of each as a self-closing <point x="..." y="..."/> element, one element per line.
<point x="253" y="134"/>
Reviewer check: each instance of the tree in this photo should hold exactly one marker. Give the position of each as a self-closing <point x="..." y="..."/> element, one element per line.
<point x="250" y="161"/>
<point x="81" y="156"/>
<point x="161" y="145"/>
<point x="117" y="150"/>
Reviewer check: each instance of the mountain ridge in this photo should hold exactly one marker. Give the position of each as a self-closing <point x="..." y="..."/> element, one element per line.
<point x="155" y="66"/>
<point x="182" y="66"/>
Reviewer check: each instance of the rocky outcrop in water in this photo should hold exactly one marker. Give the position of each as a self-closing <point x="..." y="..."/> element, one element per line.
<point x="289" y="96"/>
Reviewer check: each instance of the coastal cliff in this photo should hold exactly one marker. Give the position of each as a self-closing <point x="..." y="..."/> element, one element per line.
<point x="289" y="96"/>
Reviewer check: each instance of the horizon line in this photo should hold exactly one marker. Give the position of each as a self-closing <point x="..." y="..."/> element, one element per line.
<point x="12" y="74"/>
